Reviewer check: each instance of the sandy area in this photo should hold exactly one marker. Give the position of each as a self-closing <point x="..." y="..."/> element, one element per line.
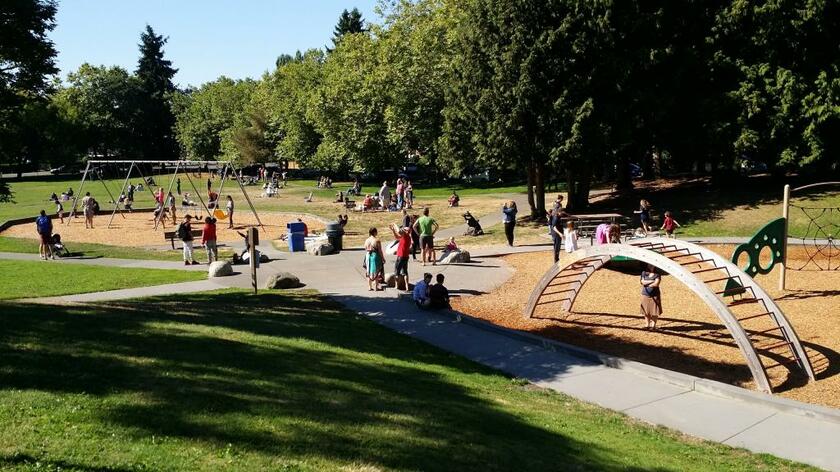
<point x="137" y="229"/>
<point x="691" y="339"/>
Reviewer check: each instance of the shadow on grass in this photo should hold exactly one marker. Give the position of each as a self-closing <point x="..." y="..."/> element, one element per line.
<point x="290" y="376"/>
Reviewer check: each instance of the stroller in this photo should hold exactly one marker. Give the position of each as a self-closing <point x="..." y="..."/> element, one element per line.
<point x="58" y="248"/>
<point x="474" y="227"/>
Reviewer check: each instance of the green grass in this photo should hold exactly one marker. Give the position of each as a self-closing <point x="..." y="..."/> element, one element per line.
<point x="92" y="250"/>
<point x="289" y="381"/>
<point x="32" y="279"/>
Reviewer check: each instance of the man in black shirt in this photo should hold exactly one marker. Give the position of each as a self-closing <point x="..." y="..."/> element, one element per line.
<point x="439" y="295"/>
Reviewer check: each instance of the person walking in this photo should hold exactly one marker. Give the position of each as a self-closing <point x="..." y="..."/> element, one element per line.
<point x="88" y="210"/>
<point x="178" y="186"/>
<point x="208" y="239"/>
<point x="426" y="226"/>
<point x="670" y="225"/>
<point x="651" y="304"/>
<point x="229" y="208"/>
<point x="415" y="237"/>
<point x="184" y="233"/>
<point x="644" y="215"/>
<point x="403" y="236"/>
<point x="44" y="227"/>
<point x="375" y="260"/>
<point x="384" y="195"/>
<point x="509" y="220"/>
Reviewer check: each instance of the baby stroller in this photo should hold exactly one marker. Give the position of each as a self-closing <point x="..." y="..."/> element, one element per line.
<point x="58" y="248"/>
<point x="474" y="227"/>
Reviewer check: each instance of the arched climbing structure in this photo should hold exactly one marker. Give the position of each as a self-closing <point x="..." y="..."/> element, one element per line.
<point x="761" y="330"/>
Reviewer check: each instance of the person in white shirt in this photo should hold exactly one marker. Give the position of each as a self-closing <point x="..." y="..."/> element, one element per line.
<point x="570" y="235"/>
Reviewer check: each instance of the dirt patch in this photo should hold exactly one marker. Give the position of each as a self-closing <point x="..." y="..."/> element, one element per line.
<point x="691" y="339"/>
<point x="137" y="229"/>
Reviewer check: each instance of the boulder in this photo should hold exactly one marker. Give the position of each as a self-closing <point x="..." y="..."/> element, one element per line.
<point x="320" y="248"/>
<point x="220" y="269"/>
<point x="282" y="280"/>
<point x="391" y="280"/>
<point x="456" y="257"/>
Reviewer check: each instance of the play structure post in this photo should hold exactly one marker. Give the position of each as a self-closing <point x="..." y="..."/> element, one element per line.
<point x="253" y="240"/>
<point x="785" y="215"/>
<point x="76" y="197"/>
<point x="122" y="191"/>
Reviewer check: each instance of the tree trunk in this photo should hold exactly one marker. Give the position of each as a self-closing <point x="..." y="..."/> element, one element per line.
<point x="578" y="188"/>
<point x="531" y="179"/>
<point x="538" y="213"/>
<point x="623" y="181"/>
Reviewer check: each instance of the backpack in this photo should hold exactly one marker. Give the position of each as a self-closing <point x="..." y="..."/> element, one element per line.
<point x="182" y="232"/>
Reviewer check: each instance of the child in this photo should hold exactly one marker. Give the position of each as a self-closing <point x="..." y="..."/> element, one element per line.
<point x="59" y="210"/>
<point x="208" y="239"/>
<point x="450" y="245"/>
<point x="570" y="235"/>
<point x="669" y="225"/>
<point x="644" y="215"/>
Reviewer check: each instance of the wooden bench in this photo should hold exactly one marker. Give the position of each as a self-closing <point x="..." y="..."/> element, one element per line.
<point x="171" y="236"/>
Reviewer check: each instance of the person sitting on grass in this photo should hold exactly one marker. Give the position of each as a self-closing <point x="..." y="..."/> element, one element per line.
<point x="208" y="239"/>
<point x="44" y="227"/>
<point x="339" y="197"/>
<point x="367" y="204"/>
<point x="454" y="199"/>
<point x="69" y="192"/>
<point x="184" y="233"/>
<point x="421" y="292"/>
<point x="342" y="220"/>
<point x="439" y="295"/>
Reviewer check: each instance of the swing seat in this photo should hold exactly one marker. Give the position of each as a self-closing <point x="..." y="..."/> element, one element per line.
<point x="219" y="214"/>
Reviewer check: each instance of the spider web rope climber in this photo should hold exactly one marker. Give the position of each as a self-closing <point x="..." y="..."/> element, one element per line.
<point x="820" y="240"/>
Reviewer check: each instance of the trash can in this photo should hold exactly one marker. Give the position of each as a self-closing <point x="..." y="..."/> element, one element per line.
<point x="335" y="236"/>
<point x="295" y="236"/>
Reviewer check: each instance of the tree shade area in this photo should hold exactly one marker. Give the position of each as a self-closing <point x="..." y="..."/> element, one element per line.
<point x="572" y="91"/>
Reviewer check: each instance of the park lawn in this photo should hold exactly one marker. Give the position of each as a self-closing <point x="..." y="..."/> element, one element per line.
<point x="92" y="250"/>
<point x="290" y="381"/>
<point x="33" y="279"/>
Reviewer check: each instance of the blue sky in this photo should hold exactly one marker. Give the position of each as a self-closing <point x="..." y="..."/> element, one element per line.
<point x="207" y="38"/>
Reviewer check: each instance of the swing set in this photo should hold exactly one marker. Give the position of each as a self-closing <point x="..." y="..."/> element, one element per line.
<point x="95" y="168"/>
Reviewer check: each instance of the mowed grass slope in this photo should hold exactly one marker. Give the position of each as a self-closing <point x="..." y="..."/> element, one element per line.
<point x="280" y="381"/>
<point x="32" y="279"/>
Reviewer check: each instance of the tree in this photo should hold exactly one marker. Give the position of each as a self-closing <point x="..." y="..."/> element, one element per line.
<point x="157" y="120"/>
<point x="349" y="22"/>
<point x="27" y="60"/>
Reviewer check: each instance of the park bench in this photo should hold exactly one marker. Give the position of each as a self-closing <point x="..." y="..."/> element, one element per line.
<point x="587" y="225"/>
<point x="171" y="236"/>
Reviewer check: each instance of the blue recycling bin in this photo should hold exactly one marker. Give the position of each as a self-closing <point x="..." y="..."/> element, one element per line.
<point x="296" y="227"/>
<point x="296" y="236"/>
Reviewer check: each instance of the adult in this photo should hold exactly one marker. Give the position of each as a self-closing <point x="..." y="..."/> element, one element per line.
<point x="208" y="239"/>
<point x="400" y="189"/>
<point x="509" y="220"/>
<point x="88" y="209"/>
<point x="421" y="292"/>
<point x="209" y="185"/>
<point x="555" y="223"/>
<point x="384" y="195"/>
<point x="439" y="294"/>
<point x="229" y="209"/>
<point x="178" y="186"/>
<point x="426" y="226"/>
<point x="131" y="189"/>
<point x="184" y="233"/>
<point x="651" y="305"/>
<point x="415" y="237"/>
<point x="70" y="192"/>
<point x="409" y="193"/>
<point x="403" y="236"/>
<point x="375" y="260"/>
<point x="44" y="227"/>
<point x="170" y="205"/>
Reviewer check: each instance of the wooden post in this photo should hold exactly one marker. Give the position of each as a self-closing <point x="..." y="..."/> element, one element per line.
<point x="785" y="215"/>
<point x="253" y="240"/>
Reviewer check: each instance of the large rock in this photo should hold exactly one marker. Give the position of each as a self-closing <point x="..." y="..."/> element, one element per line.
<point x="320" y="248"/>
<point x="220" y="269"/>
<point x="456" y="257"/>
<point x="282" y="280"/>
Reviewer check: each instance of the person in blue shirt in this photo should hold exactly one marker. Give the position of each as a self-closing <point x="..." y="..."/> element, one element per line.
<point x="509" y="220"/>
<point x="43" y="224"/>
<point x="421" y="291"/>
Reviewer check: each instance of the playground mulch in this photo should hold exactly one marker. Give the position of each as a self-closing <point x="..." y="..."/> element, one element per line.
<point x="137" y="229"/>
<point x="691" y="339"/>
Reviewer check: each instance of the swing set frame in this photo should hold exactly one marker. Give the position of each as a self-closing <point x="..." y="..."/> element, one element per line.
<point x="93" y="166"/>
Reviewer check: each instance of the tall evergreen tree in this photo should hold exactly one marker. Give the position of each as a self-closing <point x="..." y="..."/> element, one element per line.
<point x="27" y="60"/>
<point x="348" y="22"/>
<point x="156" y="119"/>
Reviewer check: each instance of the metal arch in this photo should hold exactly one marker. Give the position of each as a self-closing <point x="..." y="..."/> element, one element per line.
<point x="598" y="255"/>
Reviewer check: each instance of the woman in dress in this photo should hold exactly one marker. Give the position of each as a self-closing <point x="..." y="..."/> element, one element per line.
<point x="651" y="305"/>
<point x="375" y="260"/>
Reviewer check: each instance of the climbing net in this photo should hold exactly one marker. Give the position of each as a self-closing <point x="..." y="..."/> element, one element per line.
<point x="820" y="240"/>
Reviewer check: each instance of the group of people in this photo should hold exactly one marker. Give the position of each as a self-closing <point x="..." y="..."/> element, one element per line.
<point x="184" y="232"/>
<point x="669" y="224"/>
<point x="324" y="182"/>
<point x="401" y="198"/>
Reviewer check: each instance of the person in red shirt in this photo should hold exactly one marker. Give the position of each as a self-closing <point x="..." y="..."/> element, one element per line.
<point x="403" y="236"/>
<point x="208" y="239"/>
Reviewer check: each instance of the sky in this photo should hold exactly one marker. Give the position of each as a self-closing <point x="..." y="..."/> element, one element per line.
<point x="207" y="38"/>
